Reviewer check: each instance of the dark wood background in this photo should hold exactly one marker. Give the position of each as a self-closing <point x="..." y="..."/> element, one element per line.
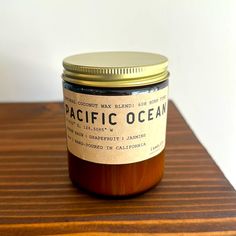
<point x="37" y="198"/>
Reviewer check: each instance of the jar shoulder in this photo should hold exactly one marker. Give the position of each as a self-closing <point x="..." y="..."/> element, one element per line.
<point x="114" y="91"/>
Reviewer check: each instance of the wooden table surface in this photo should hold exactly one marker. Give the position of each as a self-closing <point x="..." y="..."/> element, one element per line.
<point x="37" y="197"/>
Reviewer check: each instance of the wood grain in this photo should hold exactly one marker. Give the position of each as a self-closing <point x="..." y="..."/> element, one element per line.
<point x="37" y="197"/>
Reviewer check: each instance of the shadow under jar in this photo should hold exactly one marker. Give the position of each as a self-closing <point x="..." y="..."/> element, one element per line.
<point x="115" y="114"/>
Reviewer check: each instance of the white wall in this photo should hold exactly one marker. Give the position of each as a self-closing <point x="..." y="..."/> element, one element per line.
<point x="198" y="36"/>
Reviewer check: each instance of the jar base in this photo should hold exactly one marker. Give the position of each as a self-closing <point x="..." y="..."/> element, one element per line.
<point x="112" y="197"/>
<point x="116" y="181"/>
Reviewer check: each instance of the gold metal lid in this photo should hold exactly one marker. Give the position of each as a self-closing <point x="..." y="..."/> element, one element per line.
<point x="115" y="69"/>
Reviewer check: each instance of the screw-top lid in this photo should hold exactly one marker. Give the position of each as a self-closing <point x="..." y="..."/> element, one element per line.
<point x="115" y="69"/>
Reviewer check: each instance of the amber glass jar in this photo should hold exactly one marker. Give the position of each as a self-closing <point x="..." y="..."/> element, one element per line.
<point x="115" y="112"/>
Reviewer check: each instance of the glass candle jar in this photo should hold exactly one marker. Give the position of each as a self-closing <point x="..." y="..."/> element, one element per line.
<point x="115" y="114"/>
